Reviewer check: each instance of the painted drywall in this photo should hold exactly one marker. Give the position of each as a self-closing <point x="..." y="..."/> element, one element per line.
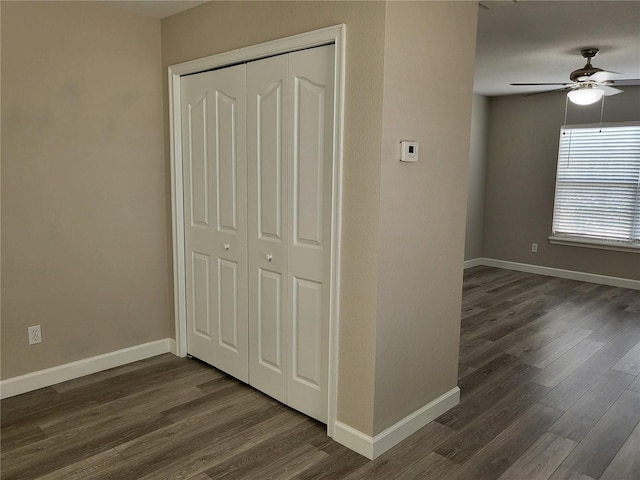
<point x="423" y="204"/>
<point x="85" y="183"/>
<point x="521" y="171"/>
<point x="223" y="26"/>
<point x="84" y="227"/>
<point x="477" y="177"/>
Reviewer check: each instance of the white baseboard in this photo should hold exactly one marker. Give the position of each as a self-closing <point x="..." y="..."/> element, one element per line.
<point x="50" y="376"/>
<point x="473" y="263"/>
<point x="373" y="447"/>
<point x="353" y="439"/>
<point x="556" y="272"/>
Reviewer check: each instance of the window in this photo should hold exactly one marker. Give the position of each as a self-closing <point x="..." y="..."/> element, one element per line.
<point x="597" y="198"/>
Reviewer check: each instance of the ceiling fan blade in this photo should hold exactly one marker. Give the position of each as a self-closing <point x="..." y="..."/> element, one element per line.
<point x="608" y="91"/>
<point x="548" y="91"/>
<point x="536" y="84"/>
<point x="625" y="82"/>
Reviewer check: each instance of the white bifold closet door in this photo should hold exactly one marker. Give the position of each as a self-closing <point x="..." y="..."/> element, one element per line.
<point x="215" y="212"/>
<point x="287" y="137"/>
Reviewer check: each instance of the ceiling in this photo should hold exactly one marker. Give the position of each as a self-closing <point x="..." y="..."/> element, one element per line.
<point x="155" y="8"/>
<point x="540" y="41"/>
<point x="521" y="41"/>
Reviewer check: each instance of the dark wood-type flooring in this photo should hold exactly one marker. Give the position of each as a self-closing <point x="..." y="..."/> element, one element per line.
<point x="549" y="374"/>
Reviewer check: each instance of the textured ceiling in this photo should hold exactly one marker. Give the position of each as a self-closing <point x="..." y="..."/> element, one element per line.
<point x="155" y="8"/>
<point x="540" y="41"/>
<point x="521" y="41"/>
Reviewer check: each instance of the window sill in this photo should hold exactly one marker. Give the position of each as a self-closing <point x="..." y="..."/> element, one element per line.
<point x="588" y="243"/>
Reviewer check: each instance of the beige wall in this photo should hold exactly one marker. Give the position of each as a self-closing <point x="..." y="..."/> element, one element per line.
<point x="423" y="204"/>
<point x="409" y="319"/>
<point x="222" y="26"/>
<point x="523" y="151"/>
<point x="477" y="177"/>
<point x="84" y="251"/>
<point x="86" y="208"/>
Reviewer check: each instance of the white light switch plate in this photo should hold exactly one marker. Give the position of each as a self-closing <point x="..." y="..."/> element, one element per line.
<point x="408" y="151"/>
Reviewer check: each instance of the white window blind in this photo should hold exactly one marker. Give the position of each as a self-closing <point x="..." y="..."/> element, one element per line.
<point x="598" y="185"/>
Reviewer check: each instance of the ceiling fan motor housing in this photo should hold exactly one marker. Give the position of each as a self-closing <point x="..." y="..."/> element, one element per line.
<point x="589" y="53"/>
<point x="588" y="69"/>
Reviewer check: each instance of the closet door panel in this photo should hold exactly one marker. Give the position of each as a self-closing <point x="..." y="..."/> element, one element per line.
<point x="267" y="89"/>
<point x="308" y="158"/>
<point x="201" y="295"/>
<point x="228" y="321"/>
<point x="214" y="169"/>
<point x="268" y="160"/>
<point x="306" y="365"/>
<point x="269" y="321"/>
<point x="226" y="161"/>
<point x="311" y="80"/>
<point x="198" y="178"/>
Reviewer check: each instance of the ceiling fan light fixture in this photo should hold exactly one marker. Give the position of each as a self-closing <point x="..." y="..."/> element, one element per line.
<point x="585" y="95"/>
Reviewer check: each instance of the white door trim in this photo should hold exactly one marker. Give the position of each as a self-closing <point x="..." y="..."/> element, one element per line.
<point x="336" y="35"/>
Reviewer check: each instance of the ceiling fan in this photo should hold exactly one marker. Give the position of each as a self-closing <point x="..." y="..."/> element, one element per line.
<point x="588" y="84"/>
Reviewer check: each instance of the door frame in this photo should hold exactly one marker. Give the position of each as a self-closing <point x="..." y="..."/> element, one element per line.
<point x="330" y="35"/>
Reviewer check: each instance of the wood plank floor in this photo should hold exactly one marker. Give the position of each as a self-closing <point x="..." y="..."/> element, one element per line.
<point x="549" y="374"/>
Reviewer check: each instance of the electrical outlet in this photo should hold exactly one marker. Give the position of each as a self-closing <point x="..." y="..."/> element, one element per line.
<point x="35" y="334"/>
<point x="534" y="248"/>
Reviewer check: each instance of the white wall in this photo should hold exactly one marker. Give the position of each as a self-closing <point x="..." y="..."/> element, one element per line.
<point x="422" y="205"/>
<point x="477" y="177"/>
<point x="521" y="174"/>
<point x="84" y="224"/>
